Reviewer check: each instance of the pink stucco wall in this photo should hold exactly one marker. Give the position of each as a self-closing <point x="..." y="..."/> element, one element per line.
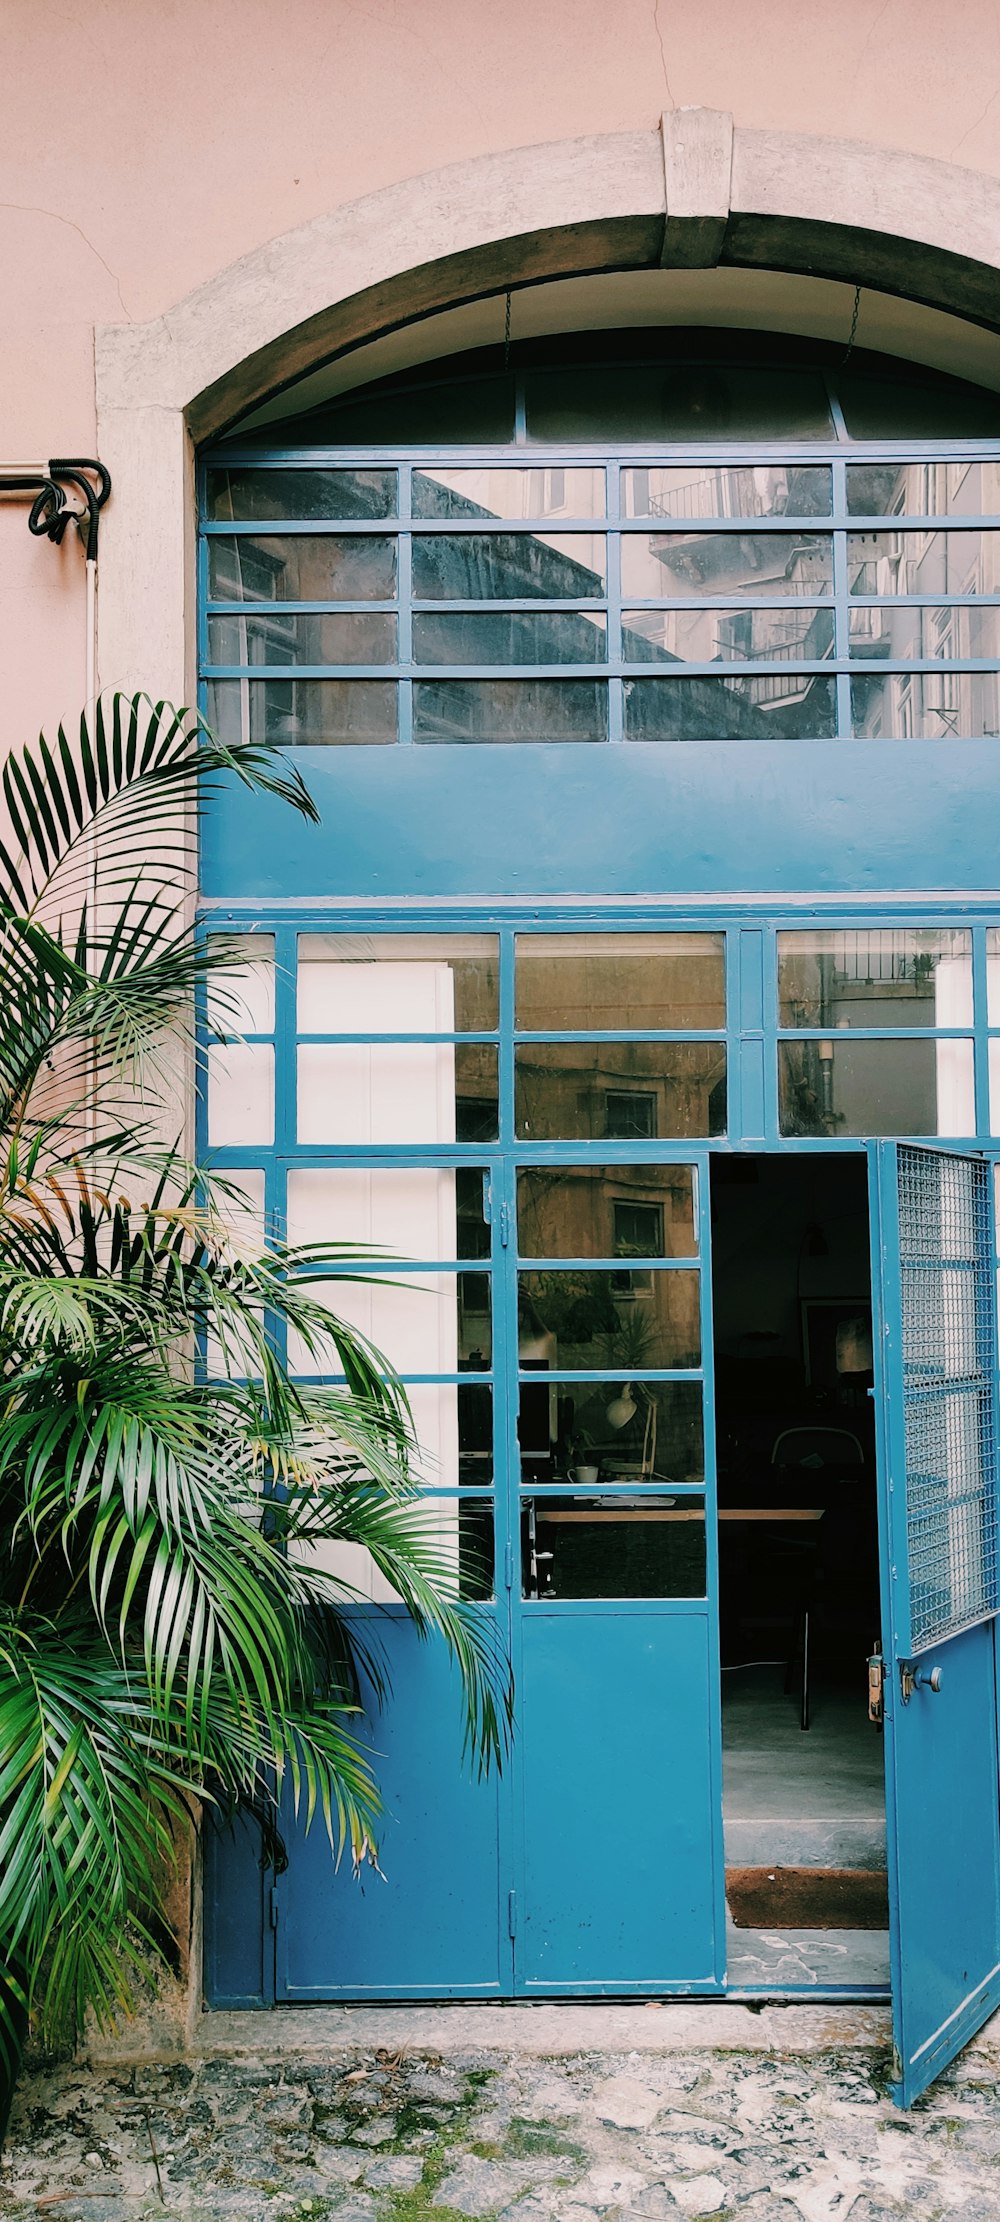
<point x="147" y="144"/>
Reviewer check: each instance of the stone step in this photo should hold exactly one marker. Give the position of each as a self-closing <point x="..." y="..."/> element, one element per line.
<point x="855" y="1841"/>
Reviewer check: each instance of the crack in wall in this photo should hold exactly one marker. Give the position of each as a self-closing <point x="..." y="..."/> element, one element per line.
<point x="31" y="208"/>
<point x="657" y="26"/>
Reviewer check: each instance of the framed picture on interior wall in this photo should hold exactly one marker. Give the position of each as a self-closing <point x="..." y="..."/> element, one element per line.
<point x="836" y="1340"/>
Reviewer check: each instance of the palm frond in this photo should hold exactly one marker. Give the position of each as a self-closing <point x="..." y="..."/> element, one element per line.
<point x="166" y="1630"/>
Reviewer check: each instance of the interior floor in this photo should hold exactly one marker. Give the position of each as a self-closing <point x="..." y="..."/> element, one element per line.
<point x="795" y="1799"/>
<point x="802" y="1764"/>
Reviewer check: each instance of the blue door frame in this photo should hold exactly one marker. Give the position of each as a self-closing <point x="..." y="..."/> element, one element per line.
<point x="491" y="1935"/>
<point x="618" y="1872"/>
<point x="934" y="1251"/>
<point x="595" y="1865"/>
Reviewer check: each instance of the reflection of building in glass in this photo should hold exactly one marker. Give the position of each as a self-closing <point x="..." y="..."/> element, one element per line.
<point x="839" y="983"/>
<point x="496" y="610"/>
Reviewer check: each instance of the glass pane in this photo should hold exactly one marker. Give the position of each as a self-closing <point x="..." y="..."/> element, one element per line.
<point x="578" y="982"/>
<point x="459" y="1529"/>
<point x="408" y="1211"/>
<point x="871" y="976"/>
<point x="898" y="631"/>
<point x="299" y="713"/>
<point x="726" y="490"/>
<point x="893" y="409"/>
<point x="887" y="563"/>
<point x="453" y="1425"/>
<point x="509" y="637"/>
<point x="301" y="567"/>
<point x="397" y="983"/>
<point x="396" y="1092"/>
<point x="510" y="710"/>
<point x="942" y="489"/>
<point x="596" y="1547"/>
<point x="993" y="975"/>
<point x="629" y="1317"/>
<point x="237" y="1203"/>
<point x="720" y="564"/>
<point x="570" y="1091"/>
<point x="240" y="997"/>
<point x="773" y="706"/>
<point x="840" y="1087"/>
<point x="616" y="1432"/>
<point x="676" y="401"/>
<point x="510" y="494"/>
<point x="420" y="1322"/>
<point x="583" y="1211"/>
<point x="436" y="412"/>
<point x="702" y="636"/>
<point x="509" y="567"/>
<point x="249" y="494"/>
<point x="995" y="1089"/>
<point x="313" y="637"/>
<point x="240" y="1095"/>
<point x="925" y="706"/>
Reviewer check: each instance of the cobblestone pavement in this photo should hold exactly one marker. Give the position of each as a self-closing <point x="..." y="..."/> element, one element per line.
<point x="408" y="2136"/>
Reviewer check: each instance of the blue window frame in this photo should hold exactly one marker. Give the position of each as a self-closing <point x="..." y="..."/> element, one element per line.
<point x="927" y="984"/>
<point x="467" y="596"/>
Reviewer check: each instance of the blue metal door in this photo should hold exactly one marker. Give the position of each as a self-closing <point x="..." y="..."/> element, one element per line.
<point x="596" y="1864"/>
<point x="934" y="1243"/>
<point x="617" y="1777"/>
<point x="427" y="1922"/>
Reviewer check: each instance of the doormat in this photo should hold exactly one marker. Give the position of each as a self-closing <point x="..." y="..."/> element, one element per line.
<point x="808" y="1897"/>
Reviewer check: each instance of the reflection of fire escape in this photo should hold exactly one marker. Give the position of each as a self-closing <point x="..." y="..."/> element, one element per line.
<point x="771" y="690"/>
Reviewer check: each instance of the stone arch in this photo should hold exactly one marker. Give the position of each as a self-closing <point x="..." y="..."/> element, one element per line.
<point x="697" y="194"/>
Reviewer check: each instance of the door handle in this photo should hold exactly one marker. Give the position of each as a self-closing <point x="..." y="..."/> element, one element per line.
<point x="918" y="1678"/>
<point x="876" y="1687"/>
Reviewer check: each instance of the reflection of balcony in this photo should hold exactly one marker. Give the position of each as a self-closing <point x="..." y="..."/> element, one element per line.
<point x="728" y="562"/>
<point x="728" y="493"/>
<point x="870" y="633"/>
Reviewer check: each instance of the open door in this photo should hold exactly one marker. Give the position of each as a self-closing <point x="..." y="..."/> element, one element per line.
<point x="934" y="1270"/>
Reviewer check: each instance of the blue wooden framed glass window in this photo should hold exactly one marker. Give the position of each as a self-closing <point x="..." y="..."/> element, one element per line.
<point x="408" y="1037"/>
<point x="798" y="591"/>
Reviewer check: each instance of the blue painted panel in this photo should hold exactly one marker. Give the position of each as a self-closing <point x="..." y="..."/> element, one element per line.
<point x="428" y="1925"/>
<point x="945" y="1858"/>
<point x="238" y="1964"/>
<point x="942" y="1758"/>
<point x="698" y="817"/>
<point x="621" y="1862"/>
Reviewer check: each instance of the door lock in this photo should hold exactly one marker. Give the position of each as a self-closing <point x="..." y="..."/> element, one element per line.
<point x="876" y="1686"/>
<point x="918" y="1678"/>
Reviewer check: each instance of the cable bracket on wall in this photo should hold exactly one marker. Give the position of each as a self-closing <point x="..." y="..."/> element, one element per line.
<point x="51" y="513"/>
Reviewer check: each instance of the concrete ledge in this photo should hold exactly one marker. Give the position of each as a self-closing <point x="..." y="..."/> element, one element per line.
<point x="549" y="2030"/>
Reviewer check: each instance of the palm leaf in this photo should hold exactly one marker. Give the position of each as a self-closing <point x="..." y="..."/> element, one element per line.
<point x="163" y="1632"/>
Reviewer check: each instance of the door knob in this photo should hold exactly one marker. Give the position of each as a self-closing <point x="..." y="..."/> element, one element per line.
<point x="918" y="1678"/>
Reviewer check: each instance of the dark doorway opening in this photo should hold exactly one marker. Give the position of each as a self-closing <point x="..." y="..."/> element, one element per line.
<point x="803" y="1780"/>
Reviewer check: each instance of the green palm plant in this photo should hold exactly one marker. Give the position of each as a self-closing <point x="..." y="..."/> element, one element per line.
<point x="158" y="1645"/>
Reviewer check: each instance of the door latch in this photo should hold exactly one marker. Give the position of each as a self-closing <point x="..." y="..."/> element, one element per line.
<point x="912" y="1678"/>
<point x="876" y="1686"/>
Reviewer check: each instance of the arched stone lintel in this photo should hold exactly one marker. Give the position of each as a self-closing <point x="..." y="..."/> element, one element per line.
<point x="696" y="193"/>
<point x="535" y="258"/>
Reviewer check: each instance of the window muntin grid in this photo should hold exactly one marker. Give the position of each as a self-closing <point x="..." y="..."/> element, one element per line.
<point x="483" y="601"/>
<point x="644" y="1065"/>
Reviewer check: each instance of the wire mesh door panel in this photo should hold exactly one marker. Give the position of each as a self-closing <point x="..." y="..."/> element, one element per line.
<point x="947" y="1295"/>
<point x="936" y="1382"/>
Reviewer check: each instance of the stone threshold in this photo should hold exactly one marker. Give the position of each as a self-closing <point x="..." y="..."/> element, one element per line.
<point x="549" y="2029"/>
